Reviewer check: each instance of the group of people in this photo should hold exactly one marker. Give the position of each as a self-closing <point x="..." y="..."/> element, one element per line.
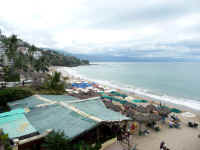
<point x="163" y="146"/>
<point x="174" y="122"/>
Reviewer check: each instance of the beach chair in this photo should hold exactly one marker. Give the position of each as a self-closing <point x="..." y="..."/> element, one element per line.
<point x="193" y="125"/>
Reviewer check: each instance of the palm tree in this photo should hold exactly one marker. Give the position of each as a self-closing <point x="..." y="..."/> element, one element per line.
<point x="11" y="45"/>
<point x="42" y="64"/>
<point x="31" y="51"/>
<point x="20" y="65"/>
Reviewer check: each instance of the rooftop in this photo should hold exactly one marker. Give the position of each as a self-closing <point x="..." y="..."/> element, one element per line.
<point x="62" y="112"/>
<point x="15" y="124"/>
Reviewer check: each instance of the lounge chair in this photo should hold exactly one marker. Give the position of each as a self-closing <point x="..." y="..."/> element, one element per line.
<point x="193" y="125"/>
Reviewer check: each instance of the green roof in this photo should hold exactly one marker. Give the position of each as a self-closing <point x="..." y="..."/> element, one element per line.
<point x="97" y="108"/>
<point x="15" y="124"/>
<point x="28" y="102"/>
<point x="57" y="117"/>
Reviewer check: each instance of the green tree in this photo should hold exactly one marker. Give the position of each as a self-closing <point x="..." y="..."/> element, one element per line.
<point x="57" y="141"/>
<point x="42" y="64"/>
<point x="54" y="82"/>
<point x="11" y="46"/>
<point x="31" y="51"/>
<point x="10" y="75"/>
<point x="20" y="64"/>
<point x="4" y="140"/>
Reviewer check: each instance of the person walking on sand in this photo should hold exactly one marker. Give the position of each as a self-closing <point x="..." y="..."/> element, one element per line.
<point x="162" y="145"/>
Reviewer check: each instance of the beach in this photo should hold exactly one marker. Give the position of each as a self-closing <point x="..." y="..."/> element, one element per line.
<point x="185" y="138"/>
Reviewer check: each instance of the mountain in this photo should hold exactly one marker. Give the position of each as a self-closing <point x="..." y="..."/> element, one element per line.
<point x="13" y="49"/>
<point x="125" y="58"/>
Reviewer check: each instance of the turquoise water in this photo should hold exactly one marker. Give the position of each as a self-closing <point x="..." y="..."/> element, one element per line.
<point x="175" y="82"/>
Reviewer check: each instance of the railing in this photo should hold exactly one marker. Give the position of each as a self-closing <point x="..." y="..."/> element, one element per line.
<point x="13" y="84"/>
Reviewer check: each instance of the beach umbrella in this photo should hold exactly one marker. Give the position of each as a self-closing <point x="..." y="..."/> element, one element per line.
<point x="164" y="110"/>
<point x="115" y="107"/>
<point x="128" y="104"/>
<point x="154" y="117"/>
<point x="141" y="109"/>
<point x="150" y="108"/>
<point x="130" y="113"/>
<point x="140" y="117"/>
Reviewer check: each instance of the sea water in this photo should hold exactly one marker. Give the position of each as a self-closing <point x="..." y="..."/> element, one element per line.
<point x="178" y="83"/>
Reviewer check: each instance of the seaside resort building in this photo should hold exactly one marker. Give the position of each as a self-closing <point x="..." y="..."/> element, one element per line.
<point x="32" y="118"/>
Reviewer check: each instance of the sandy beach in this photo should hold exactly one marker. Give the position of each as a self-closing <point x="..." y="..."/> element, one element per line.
<point x="185" y="138"/>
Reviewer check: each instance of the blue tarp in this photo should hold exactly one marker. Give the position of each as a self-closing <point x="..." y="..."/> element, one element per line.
<point x="81" y="85"/>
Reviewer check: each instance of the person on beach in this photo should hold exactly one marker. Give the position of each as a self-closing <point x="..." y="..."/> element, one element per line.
<point x="162" y="145"/>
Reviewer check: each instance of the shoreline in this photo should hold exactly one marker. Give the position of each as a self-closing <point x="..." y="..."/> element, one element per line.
<point x="69" y="72"/>
<point x="179" y="139"/>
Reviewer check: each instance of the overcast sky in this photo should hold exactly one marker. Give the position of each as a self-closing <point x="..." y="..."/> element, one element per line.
<point x="141" y="28"/>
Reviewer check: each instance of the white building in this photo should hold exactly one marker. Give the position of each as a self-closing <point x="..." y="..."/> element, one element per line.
<point x="2" y="52"/>
<point x="37" y="54"/>
<point x="3" y="57"/>
<point x="23" y="50"/>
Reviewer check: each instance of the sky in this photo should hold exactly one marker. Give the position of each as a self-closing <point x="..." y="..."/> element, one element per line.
<point x="132" y="28"/>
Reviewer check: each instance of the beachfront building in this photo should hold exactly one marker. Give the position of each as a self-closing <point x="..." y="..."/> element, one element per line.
<point x="3" y="57"/>
<point x="37" y="54"/>
<point x="2" y="52"/>
<point x="1" y="73"/>
<point x="79" y="119"/>
<point x="23" y="50"/>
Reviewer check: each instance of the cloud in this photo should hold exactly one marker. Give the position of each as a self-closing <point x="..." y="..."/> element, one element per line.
<point x="135" y="28"/>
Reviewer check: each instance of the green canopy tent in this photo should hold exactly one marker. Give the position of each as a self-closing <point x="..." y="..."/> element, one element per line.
<point x="139" y="101"/>
<point x="101" y="93"/>
<point x="175" y="110"/>
<point x="107" y="97"/>
<point x="118" y="94"/>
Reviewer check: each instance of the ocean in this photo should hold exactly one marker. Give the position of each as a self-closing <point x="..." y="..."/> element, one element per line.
<point x="177" y="83"/>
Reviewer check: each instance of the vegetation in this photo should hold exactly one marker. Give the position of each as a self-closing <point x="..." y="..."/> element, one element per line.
<point x="25" y="61"/>
<point x="26" y="64"/>
<point x="4" y="140"/>
<point x="58" y="59"/>
<point x="12" y="94"/>
<point x="58" y="141"/>
<point x="11" y="46"/>
<point x="11" y="75"/>
<point x="42" y="64"/>
<point x="54" y="82"/>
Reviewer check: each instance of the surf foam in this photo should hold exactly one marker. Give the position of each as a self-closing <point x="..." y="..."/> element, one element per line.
<point x="194" y="104"/>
